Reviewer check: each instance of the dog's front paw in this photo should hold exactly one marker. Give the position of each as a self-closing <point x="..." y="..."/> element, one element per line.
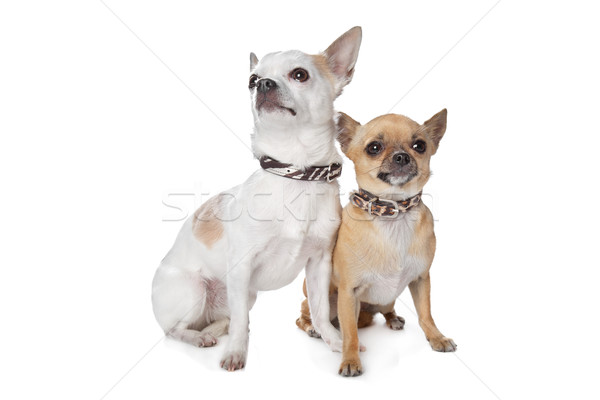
<point x="335" y="343"/>
<point x="396" y="323"/>
<point x="442" y="344"/>
<point x="234" y="360"/>
<point x="350" y="367"/>
<point x="331" y="336"/>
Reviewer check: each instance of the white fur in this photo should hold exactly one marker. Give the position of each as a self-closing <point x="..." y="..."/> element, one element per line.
<point x="273" y="226"/>
<point x="305" y="137"/>
<point x="401" y="268"/>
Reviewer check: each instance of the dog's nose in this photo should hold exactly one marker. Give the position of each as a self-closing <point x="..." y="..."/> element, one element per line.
<point x="401" y="159"/>
<point x="265" y="84"/>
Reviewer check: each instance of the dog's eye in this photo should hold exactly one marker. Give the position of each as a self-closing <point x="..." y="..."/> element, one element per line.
<point x="419" y="146"/>
<point x="300" y="75"/>
<point x="253" y="79"/>
<point x="374" y="148"/>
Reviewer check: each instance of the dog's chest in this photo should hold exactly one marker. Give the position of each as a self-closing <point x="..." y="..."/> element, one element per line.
<point x="398" y="266"/>
<point x="305" y="218"/>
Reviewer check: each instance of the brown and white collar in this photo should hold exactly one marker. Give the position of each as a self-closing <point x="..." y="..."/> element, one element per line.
<point x="325" y="173"/>
<point x="382" y="207"/>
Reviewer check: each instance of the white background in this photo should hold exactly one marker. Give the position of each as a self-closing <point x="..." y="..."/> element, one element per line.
<point x="107" y="108"/>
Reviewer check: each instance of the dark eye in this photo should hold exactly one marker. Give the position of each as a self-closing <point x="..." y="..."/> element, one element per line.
<point x="374" y="148"/>
<point x="253" y="79"/>
<point x="419" y="146"/>
<point x="300" y="75"/>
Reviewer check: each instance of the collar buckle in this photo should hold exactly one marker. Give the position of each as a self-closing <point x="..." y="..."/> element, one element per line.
<point x="395" y="210"/>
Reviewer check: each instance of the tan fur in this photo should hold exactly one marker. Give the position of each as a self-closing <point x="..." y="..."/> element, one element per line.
<point x="363" y="254"/>
<point x="304" y="322"/>
<point x="397" y="132"/>
<point x="420" y="291"/>
<point x="423" y="243"/>
<point x="321" y="63"/>
<point x="207" y="227"/>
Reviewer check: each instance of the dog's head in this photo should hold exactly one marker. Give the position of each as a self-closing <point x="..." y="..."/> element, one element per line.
<point x="292" y="87"/>
<point x="391" y="153"/>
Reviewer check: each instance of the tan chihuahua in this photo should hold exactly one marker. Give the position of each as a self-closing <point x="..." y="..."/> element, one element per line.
<point x="386" y="240"/>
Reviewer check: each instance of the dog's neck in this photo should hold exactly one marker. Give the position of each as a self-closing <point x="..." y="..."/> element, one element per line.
<point x="399" y="193"/>
<point x="381" y="207"/>
<point x="302" y="146"/>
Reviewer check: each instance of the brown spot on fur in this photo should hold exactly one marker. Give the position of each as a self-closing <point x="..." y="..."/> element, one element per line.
<point x="324" y="68"/>
<point x="207" y="227"/>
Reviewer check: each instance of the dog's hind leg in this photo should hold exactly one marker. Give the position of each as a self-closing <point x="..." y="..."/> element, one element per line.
<point x="207" y="319"/>
<point x="214" y="330"/>
<point x="392" y="320"/>
<point x="194" y="337"/>
<point x="366" y="314"/>
<point x="305" y="320"/>
<point x="186" y="306"/>
<point x="305" y="323"/>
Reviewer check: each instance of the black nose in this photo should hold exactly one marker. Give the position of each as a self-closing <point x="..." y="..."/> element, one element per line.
<point x="265" y="84"/>
<point x="401" y="159"/>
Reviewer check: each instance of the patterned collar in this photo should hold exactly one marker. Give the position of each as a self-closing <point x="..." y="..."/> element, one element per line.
<point x="382" y="207"/>
<point x="325" y="173"/>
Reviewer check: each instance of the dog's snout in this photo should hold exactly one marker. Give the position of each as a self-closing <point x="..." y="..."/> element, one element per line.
<point x="265" y="84"/>
<point x="401" y="159"/>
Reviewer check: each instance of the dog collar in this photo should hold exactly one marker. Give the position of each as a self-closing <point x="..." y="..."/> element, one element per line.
<point x="382" y="207"/>
<point x="326" y="173"/>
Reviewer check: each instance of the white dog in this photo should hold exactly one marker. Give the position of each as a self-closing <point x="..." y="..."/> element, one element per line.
<point x="261" y="234"/>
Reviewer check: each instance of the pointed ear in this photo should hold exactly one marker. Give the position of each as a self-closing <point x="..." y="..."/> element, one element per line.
<point x="341" y="56"/>
<point x="436" y="127"/>
<point x="346" y="128"/>
<point x="253" y="61"/>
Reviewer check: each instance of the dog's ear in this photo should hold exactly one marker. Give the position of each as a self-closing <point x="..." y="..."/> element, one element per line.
<point x="253" y="61"/>
<point x="436" y="127"/>
<point x="341" y="56"/>
<point x="346" y="128"/>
